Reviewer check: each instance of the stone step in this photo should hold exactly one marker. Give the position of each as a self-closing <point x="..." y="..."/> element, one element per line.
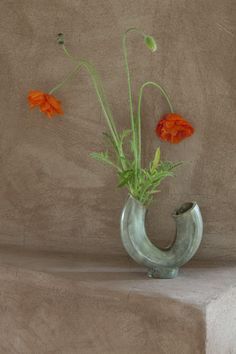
<point x="56" y="303"/>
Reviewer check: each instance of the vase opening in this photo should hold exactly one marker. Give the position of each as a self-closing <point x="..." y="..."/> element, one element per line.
<point x="186" y="207"/>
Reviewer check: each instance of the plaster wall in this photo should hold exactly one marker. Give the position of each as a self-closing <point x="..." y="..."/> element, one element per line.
<point x="52" y="195"/>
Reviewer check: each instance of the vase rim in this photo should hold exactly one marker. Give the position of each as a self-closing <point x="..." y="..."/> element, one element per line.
<point x="184" y="209"/>
<point x="137" y="201"/>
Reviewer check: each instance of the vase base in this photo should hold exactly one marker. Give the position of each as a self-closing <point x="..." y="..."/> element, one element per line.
<point x="163" y="273"/>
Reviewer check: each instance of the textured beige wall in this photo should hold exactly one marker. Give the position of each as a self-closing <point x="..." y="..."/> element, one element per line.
<point x="52" y="195"/>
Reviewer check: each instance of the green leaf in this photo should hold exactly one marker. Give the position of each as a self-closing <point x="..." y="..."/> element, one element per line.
<point x="124" y="134"/>
<point x="156" y="159"/>
<point x="125" y="177"/>
<point x="102" y="157"/>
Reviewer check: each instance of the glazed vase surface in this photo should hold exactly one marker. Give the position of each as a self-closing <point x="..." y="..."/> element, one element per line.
<point x="161" y="263"/>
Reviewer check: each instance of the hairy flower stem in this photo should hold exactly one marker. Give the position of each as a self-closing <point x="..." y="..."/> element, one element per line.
<point x="101" y="98"/>
<point x="68" y="77"/>
<point x="68" y="54"/>
<point x="164" y="93"/>
<point x="134" y="132"/>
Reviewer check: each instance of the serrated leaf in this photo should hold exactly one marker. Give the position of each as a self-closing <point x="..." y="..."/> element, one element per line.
<point x="102" y="157"/>
<point x="125" y="133"/>
<point x="125" y="177"/>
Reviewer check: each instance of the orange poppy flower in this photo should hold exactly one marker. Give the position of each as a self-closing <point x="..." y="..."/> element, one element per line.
<point x="48" y="104"/>
<point x="173" y="128"/>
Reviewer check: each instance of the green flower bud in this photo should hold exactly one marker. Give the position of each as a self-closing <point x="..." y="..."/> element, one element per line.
<point x="156" y="159"/>
<point x="60" y="38"/>
<point x="150" y="43"/>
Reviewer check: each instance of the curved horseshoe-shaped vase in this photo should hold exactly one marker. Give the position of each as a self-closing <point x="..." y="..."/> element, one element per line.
<point x="162" y="263"/>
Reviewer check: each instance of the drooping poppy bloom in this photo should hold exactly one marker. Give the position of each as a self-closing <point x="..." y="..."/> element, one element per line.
<point x="173" y="128"/>
<point x="47" y="103"/>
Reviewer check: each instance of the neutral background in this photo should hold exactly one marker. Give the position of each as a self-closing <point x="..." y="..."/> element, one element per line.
<point x="52" y="195"/>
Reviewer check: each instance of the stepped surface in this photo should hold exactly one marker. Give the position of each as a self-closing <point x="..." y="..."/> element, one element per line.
<point x="67" y="304"/>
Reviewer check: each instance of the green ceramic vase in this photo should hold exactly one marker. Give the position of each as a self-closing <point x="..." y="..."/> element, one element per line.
<point x="161" y="263"/>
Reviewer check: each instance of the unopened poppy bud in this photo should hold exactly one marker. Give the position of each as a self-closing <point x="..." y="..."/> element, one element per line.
<point x="150" y="43"/>
<point x="60" y="38"/>
<point x="156" y="159"/>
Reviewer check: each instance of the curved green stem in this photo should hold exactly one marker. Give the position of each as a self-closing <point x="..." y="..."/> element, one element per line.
<point x="164" y="93"/>
<point x="98" y="89"/>
<point x="125" y="52"/>
<point x="68" y="54"/>
<point x="67" y="78"/>
<point x="101" y="98"/>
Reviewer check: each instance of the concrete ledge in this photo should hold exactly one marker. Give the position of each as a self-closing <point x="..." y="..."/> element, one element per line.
<point x="67" y="304"/>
